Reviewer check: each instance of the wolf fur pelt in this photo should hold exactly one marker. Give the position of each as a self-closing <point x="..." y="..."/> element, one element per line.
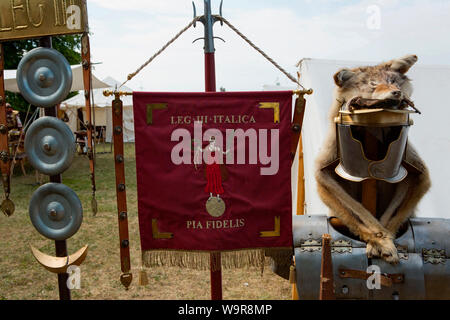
<point x="385" y="81"/>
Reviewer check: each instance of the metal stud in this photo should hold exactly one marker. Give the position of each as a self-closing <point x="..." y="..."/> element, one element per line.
<point x="119" y="159"/>
<point x="123" y="216"/>
<point x="118" y="130"/>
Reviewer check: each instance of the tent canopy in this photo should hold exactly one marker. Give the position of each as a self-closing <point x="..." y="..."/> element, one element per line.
<point x="100" y="100"/>
<point x="429" y="135"/>
<point x="102" y="109"/>
<point x="77" y="84"/>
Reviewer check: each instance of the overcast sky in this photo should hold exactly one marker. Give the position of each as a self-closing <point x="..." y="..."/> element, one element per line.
<point x="126" y="33"/>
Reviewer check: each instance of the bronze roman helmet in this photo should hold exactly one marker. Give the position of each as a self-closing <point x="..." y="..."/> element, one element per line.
<point x="372" y="142"/>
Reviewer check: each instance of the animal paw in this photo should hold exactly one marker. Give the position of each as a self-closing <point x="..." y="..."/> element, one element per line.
<point x="383" y="248"/>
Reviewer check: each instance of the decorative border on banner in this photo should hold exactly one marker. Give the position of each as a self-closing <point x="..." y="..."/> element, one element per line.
<point x="200" y="260"/>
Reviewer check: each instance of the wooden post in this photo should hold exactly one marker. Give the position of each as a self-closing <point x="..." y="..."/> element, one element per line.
<point x="326" y="271"/>
<point x="216" y="257"/>
<point x="60" y="246"/>
<point x="4" y="148"/>
<point x="119" y="157"/>
<point x="91" y="130"/>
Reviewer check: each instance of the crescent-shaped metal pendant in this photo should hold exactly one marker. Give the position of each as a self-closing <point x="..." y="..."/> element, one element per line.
<point x="44" y="77"/>
<point x="50" y="146"/>
<point x="56" y="211"/>
<point x="60" y="265"/>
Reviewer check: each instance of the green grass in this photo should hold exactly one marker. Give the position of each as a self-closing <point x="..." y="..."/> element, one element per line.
<point x="21" y="277"/>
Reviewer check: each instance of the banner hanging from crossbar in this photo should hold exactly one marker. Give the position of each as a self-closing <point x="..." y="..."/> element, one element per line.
<point x="213" y="174"/>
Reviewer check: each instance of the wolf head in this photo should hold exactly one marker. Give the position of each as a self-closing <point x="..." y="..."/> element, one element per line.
<point x="384" y="81"/>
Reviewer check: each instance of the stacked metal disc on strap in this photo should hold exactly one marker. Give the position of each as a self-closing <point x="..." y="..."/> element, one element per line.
<point x="44" y="78"/>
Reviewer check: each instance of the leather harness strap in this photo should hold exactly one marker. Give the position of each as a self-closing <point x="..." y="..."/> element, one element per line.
<point x="297" y="123"/>
<point x="4" y="149"/>
<point x="117" y="111"/>
<point x="87" y="77"/>
<point x="386" y="280"/>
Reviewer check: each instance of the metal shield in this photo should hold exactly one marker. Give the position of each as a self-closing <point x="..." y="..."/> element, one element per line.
<point x="50" y="146"/>
<point x="44" y="77"/>
<point x="56" y="211"/>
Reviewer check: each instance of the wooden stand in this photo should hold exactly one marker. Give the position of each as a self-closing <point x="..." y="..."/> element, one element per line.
<point x="326" y="270"/>
<point x="60" y="246"/>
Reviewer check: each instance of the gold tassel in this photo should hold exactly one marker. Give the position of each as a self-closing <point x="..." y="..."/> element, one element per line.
<point x="143" y="279"/>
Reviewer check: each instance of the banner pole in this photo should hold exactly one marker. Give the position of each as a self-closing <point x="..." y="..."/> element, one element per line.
<point x="215" y="257"/>
<point x="210" y="86"/>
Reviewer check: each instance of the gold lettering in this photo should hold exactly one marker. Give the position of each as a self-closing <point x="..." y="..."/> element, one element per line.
<point x="3" y="20"/>
<point x="41" y="14"/>
<point x="64" y="13"/>
<point x="60" y="12"/>
<point x="55" y="6"/>
<point x="15" y="8"/>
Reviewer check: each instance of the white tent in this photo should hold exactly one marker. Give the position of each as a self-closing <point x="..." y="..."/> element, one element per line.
<point x="429" y="135"/>
<point x="77" y="83"/>
<point x="102" y="107"/>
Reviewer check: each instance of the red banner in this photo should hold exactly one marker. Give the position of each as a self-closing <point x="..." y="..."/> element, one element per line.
<point x="214" y="170"/>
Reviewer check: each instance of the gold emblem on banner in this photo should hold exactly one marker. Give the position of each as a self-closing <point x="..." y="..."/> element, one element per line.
<point x="215" y="207"/>
<point x="151" y="107"/>
<point x="274" y="233"/>
<point x="157" y="234"/>
<point x="276" y="109"/>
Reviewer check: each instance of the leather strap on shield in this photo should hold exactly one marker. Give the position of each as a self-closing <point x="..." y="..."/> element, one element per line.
<point x="87" y="77"/>
<point x="4" y="149"/>
<point x="117" y="111"/>
<point x="386" y="280"/>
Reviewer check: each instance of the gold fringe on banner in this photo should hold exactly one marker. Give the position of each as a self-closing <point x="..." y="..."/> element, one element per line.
<point x="201" y="260"/>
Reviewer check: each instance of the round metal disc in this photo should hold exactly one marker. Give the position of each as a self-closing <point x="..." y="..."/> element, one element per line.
<point x="8" y="207"/>
<point x="56" y="211"/>
<point x="44" y="77"/>
<point x="215" y="207"/>
<point x="50" y="146"/>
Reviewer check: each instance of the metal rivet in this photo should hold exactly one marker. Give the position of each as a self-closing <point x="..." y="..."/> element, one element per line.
<point x="296" y="128"/>
<point x="118" y="130"/>
<point x="3" y="129"/>
<point x="123" y="215"/>
<point x="125" y="243"/>
<point x="119" y="158"/>
<point x="121" y="187"/>
<point x="345" y="290"/>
